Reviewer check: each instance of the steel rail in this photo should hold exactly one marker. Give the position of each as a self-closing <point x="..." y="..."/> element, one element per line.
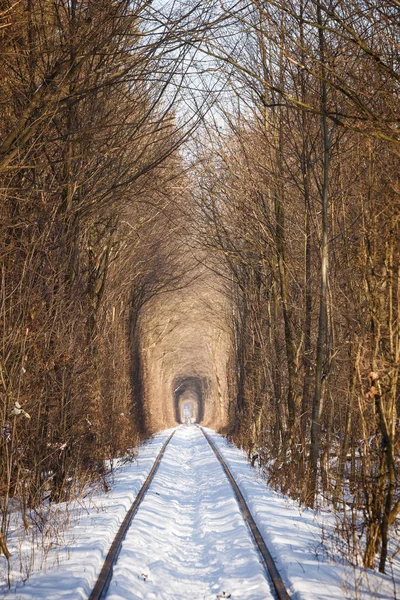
<point x="105" y="576"/>
<point x="269" y="563"/>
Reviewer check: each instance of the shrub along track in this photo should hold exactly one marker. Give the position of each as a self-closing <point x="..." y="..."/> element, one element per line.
<point x="103" y="583"/>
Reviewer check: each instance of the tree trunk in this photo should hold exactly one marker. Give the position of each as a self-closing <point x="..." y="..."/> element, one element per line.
<point x="322" y="340"/>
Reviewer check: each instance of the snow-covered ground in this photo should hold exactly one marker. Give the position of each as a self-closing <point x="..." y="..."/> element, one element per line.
<point x="299" y="541"/>
<point x="188" y="539"/>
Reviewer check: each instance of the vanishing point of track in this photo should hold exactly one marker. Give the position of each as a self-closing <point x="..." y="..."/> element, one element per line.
<point x="100" y="589"/>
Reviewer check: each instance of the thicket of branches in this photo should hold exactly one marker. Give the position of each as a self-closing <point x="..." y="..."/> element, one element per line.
<point x="89" y="180"/>
<point x="300" y="196"/>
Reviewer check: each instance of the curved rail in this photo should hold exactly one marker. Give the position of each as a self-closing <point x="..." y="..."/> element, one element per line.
<point x="104" y="578"/>
<point x="273" y="572"/>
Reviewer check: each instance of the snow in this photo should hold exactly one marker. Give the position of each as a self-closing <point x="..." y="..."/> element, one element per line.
<point x="72" y="568"/>
<point x="188" y="539"/>
<point x="310" y="569"/>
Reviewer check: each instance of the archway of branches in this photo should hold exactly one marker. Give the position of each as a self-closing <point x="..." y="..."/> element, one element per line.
<point x="189" y="393"/>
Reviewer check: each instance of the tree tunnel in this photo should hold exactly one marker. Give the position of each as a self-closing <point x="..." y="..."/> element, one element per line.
<point x="189" y="393"/>
<point x="185" y="345"/>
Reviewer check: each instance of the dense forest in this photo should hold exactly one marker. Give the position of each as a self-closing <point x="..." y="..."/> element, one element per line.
<point x="141" y="143"/>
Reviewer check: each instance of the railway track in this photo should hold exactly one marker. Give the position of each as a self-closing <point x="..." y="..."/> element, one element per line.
<point x="103" y="581"/>
<point x="276" y="583"/>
